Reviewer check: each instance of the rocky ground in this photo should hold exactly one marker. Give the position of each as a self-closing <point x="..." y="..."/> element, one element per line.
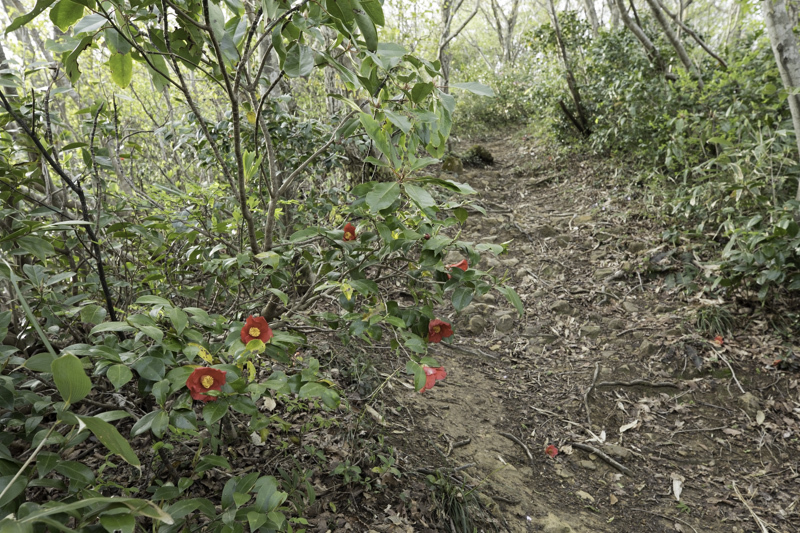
<point x="658" y="425"/>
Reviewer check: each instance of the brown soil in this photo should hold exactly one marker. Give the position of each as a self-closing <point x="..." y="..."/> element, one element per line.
<point x="601" y="316"/>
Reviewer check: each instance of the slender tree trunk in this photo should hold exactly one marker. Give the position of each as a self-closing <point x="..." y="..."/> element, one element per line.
<point x="612" y="5"/>
<point x="573" y="86"/>
<point x="649" y="47"/>
<point x="784" y="46"/>
<point x="693" y="35"/>
<point x="591" y="14"/>
<point x="448" y="34"/>
<point x="676" y="43"/>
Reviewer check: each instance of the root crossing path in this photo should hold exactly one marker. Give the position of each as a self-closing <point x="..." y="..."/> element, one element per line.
<point x="657" y="426"/>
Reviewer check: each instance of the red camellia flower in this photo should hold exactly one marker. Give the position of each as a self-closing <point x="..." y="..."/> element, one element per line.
<point x="203" y="380"/>
<point x="256" y="327"/>
<point x="432" y="375"/>
<point x="463" y="265"/>
<point x="349" y="232"/>
<point x="718" y="340"/>
<point x="438" y="330"/>
<point x="552" y="451"/>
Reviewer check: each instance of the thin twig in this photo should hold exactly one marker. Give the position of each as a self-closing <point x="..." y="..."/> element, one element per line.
<point x="758" y="521"/>
<point x="588" y="392"/>
<point x="733" y="374"/>
<point x="667" y="518"/>
<point x="603" y="456"/>
<point x="638" y="382"/>
<point x="515" y="439"/>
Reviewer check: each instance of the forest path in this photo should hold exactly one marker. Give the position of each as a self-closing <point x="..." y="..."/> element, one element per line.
<point x="591" y="270"/>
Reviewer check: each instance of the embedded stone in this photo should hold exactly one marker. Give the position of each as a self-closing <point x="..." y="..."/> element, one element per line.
<point x="591" y="331"/>
<point x="506" y="323"/>
<point x="562" y="307"/>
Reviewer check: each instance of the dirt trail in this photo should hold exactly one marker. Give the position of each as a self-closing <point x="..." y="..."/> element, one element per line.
<point x="592" y="272"/>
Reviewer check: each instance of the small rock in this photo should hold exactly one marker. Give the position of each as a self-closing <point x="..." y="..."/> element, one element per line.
<point x="530" y="331"/>
<point x="494" y="347"/>
<point x="602" y="273"/>
<point x="617" y="323"/>
<point x="585" y="496"/>
<point x="510" y="262"/>
<point x="563" y="472"/>
<point x="561" y="307"/>
<point x="478" y="309"/>
<point x="630" y="307"/>
<point x="538" y="295"/>
<point x="583" y="219"/>
<point x="674" y="332"/>
<point x="477" y="325"/>
<point x="521" y="273"/>
<point x="661" y="309"/>
<point x="588" y="465"/>
<point x="635" y="247"/>
<point x="591" y="331"/>
<point x="617" y="451"/>
<point x="506" y="323"/>
<point x="487" y="298"/>
<point x="553" y="524"/>
<point x="546" y="339"/>
<point x="749" y="403"/>
<point x="491" y="262"/>
<point x="546" y="231"/>
<point x="597" y="255"/>
<point x="648" y="348"/>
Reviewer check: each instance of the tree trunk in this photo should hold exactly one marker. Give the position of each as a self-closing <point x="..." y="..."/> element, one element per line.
<point x="612" y="5"/>
<point x="784" y="46"/>
<point x="650" y="48"/>
<point x="591" y="14"/>
<point x="448" y="34"/>
<point x="693" y="35"/>
<point x="573" y="86"/>
<point x="676" y="43"/>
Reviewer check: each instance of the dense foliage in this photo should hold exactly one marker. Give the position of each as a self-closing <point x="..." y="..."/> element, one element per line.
<point x="144" y="221"/>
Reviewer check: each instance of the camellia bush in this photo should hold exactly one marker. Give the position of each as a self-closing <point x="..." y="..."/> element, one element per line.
<point x="146" y="304"/>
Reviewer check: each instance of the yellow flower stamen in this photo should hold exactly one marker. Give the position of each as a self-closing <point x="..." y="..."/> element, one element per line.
<point x="348" y="235"/>
<point x="254" y="332"/>
<point x="436" y="329"/>
<point x="207" y="382"/>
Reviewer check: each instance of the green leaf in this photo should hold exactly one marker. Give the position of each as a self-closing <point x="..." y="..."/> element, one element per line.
<point x="376" y="133"/>
<point x="93" y="314"/>
<point x="214" y="410"/>
<point x="150" y="299"/>
<point x="216" y="20"/>
<point x="341" y="9"/>
<point x="111" y="326"/>
<point x="150" y="368"/>
<point x="153" y="332"/>
<point x="116" y="42"/>
<point x="121" y="69"/>
<point x="125" y="523"/>
<point x="71" y="63"/>
<point x="111" y="439"/>
<point x="420" y="91"/>
<point x="119" y="375"/>
<point x="75" y="470"/>
<point x="90" y="24"/>
<point x="462" y="296"/>
<point x="41" y="362"/>
<point x="513" y="298"/>
<point x="71" y="381"/>
<point x="368" y="31"/>
<point x="374" y="9"/>
<point x="420" y="196"/>
<point x="179" y="319"/>
<point x="419" y="374"/>
<point x="382" y="196"/>
<point x="66" y="13"/>
<point x="475" y="88"/>
<point x="11" y="492"/>
<point x="299" y="61"/>
<point x="46" y="462"/>
<point x="20" y="21"/>
<point x="36" y="246"/>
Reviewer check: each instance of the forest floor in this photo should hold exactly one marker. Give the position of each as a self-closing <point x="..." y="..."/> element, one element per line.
<point x="688" y="435"/>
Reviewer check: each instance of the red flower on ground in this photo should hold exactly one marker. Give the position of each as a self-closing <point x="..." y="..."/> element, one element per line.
<point x="349" y="232"/>
<point x="432" y="375"/>
<point x="718" y="340"/>
<point x="438" y="330"/>
<point x="552" y="451"/>
<point x="256" y="327"/>
<point x="204" y="379"/>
